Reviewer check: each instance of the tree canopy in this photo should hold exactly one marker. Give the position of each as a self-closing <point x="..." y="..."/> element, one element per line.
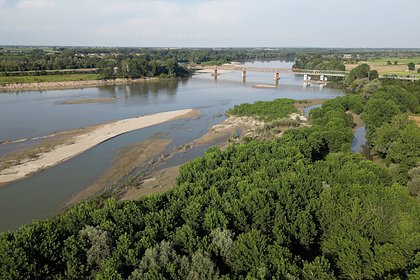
<point x="298" y="207"/>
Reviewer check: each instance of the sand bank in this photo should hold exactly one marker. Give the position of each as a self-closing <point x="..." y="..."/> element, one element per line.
<point x="86" y="141"/>
<point x="86" y="101"/>
<point x="68" y="84"/>
<point x="264" y="86"/>
<point x="129" y="158"/>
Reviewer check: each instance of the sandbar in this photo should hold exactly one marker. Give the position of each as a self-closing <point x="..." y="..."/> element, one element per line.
<point x="86" y="141"/>
<point x="86" y="101"/>
<point x="264" y="86"/>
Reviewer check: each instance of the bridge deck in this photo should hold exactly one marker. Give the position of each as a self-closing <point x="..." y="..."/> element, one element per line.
<point x="274" y="70"/>
<point x="331" y="73"/>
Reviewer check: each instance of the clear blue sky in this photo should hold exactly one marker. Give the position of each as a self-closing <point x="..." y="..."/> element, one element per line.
<point x="211" y="23"/>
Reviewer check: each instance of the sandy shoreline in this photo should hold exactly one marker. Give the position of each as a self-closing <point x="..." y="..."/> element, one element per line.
<point x="86" y="141"/>
<point x="68" y="84"/>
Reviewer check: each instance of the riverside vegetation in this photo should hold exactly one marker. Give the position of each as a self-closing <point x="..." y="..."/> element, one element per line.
<point x="301" y="206"/>
<point x="49" y="64"/>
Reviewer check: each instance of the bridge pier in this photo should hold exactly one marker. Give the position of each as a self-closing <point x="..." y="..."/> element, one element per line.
<point x="243" y="76"/>
<point x="214" y="74"/>
<point x="306" y="78"/>
<point x="276" y="78"/>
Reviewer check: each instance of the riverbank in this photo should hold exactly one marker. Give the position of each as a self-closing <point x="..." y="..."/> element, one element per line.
<point x="129" y="158"/>
<point x="68" y="84"/>
<point x="232" y="130"/>
<point x="162" y="180"/>
<point x="86" y="141"/>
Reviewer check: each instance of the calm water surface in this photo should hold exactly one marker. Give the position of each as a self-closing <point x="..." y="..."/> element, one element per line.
<point x="37" y="113"/>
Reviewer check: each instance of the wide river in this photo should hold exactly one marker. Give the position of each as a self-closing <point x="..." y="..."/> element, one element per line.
<point x="32" y="114"/>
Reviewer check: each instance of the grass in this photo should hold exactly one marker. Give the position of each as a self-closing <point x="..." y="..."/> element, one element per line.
<point x="380" y="65"/>
<point x="48" y="78"/>
<point x="405" y="61"/>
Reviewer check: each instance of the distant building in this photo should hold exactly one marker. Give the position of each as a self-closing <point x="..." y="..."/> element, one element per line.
<point x="347" y="56"/>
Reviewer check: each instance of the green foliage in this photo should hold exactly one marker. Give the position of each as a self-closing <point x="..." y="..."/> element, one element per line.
<point x="414" y="181"/>
<point x="377" y="112"/>
<point x="389" y="132"/>
<point x="411" y="66"/>
<point x="317" y="269"/>
<point x="358" y="73"/>
<point x="364" y="231"/>
<point x="298" y="207"/>
<point x="406" y="101"/>
<point x="405" y="151"/>
<point x="265" y="110"/>
<point x="317" y="62"/>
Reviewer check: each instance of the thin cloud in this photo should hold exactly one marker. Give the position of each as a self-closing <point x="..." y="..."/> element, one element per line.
<point x="338" y="23"/>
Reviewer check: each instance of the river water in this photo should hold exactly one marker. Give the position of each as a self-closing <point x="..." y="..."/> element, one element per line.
<point x="32" y="114"/>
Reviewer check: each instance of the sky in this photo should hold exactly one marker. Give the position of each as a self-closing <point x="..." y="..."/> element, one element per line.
<point x="211" y="23"/>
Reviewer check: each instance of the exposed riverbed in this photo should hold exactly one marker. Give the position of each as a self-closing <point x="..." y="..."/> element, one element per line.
<point x="34" y="114"/>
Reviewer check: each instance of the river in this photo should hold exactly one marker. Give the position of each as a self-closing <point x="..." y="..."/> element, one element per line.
<point x="32" y="114"/>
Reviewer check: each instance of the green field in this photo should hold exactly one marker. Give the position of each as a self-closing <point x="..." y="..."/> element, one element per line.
<point x="384" y="60"/>
<point x="48" y="78"/>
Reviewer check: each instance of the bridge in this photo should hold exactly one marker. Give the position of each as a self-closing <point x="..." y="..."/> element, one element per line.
<point x="307" y="73"/>
<point x="276" y="71"/>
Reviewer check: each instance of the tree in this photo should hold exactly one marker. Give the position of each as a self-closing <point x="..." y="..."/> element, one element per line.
<point x="377" y="112"/>
<point x="247" y="253"/>
<point x="414" y="183"/>
<point x="373" y="75"/>
<point x="359" y="72"/>
<point x="411" y="66"/>
<point x="318" y="269"/>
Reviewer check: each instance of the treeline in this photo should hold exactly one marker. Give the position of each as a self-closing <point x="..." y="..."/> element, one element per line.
<point x="298" y="207"/>
<point x="318" y="62"/>
<point x="39" y="60"/>
<point x="75" y="58"/>
<point x="138" y="67"/>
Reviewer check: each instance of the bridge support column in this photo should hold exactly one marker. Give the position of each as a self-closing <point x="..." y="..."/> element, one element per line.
<point x="306" y="78"/>
<point x="243" y="76"/>
<point x="214" y="74"/>
<point x="276" y="78"/>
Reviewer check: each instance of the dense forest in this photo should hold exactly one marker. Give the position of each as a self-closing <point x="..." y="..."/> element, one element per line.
<point x="301" y="206"/>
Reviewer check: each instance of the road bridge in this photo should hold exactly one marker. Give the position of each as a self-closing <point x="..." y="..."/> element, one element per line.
<point x="307" y="73"/>
<point x="276" y="71"/>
